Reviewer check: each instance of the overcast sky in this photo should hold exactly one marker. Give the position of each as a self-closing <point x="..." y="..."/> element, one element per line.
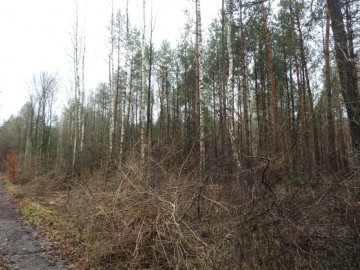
<point x="35" y="36"/>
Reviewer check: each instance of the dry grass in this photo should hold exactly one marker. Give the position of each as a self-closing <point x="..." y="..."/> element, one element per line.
<point x="152" y="218"/>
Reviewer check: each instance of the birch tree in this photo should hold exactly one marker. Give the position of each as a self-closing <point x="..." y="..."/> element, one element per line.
<point x="78" y="57"/>
<point x="114" y="84"/>
<point x="143" y="90"/>
<point x="230" y="86"/>
<point x="125" y="90"/>
<point x="200" y="86"/>
<point x="111" y="85"/>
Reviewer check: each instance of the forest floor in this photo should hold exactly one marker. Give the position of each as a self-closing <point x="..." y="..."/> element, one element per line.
<point x="178" y="222"/>
<point x="21" y="246"/>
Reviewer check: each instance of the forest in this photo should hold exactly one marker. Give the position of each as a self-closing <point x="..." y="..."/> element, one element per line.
<point x="238" y="148"/>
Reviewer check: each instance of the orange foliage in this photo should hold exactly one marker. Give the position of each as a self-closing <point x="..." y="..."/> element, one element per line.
<point x="12" y="161"/>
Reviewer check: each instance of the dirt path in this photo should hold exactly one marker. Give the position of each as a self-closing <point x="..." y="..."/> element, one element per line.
<point x="18" y="243"/>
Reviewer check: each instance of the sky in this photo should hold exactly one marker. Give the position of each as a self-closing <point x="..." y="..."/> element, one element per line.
<point x="35" y="36"/>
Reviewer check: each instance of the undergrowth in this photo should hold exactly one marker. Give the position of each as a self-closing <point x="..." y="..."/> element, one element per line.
<point x="148" y="217"/>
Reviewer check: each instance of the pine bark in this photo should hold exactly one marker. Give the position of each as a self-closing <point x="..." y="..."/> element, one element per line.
<point x="302" y="112"/>
<point x="331" y="143"/>
<point x="346" y="69"/>
<point x="244" y="84"/>
<point x="271" y="70"/>
<point x="310" y="95"/>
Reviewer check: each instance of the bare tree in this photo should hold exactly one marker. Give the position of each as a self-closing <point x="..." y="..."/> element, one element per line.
<point x="143" y="90"/>
<point x="78" y="57"/>
<point x="230" y="86"/>
<point x="200" y="86"/>
<point x="126" y="90"/>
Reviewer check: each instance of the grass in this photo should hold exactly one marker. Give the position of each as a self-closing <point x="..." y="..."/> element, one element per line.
<point x="14" y="191"/>
<point x="34" y="212"/>
<point x="39" y="215"/>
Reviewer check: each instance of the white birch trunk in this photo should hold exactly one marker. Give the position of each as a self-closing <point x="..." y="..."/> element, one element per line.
<point x="230" y="86"/>
<point x="76" y="77"/>
<point x="127" y="83"/>
<point x="143" y="93"/>
<point x="123" y="99"/>
<point x="201" y="87"/>
<point x="75" y="121"/>
<point x="82" y="121"/>
<point x="79" y="91"/>
<point x="111" y="83"/>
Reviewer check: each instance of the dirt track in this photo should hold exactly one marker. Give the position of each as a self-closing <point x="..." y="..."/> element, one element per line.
<point x="19" y="243"/>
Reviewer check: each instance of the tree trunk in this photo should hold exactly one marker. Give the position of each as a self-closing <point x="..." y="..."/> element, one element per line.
<point x="126" y="90"/>
<point x="346" y="69"/>
<point x="111" y="82"/>
<point x="272" y="81"/>
<point x="230" y="92"/>
<point x="149" y="103"/>
<point x="244" y="85"/>
<point x="331" y="147"/>
<point x="350" y="35"/>
<point x="302" y="114"/>
<point x="310" y="96"/>
<point x="143" y="91"/>
<point x="200" y="86"/>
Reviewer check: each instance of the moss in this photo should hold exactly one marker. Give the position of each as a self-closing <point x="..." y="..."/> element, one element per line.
<point x="33" y="212"/>
<point x="39" y="215"/>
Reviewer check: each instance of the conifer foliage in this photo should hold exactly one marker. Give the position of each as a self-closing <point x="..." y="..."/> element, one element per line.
<point x="239" y="145"/>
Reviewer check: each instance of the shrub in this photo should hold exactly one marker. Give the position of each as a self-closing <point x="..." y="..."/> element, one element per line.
<point x="12" y="165"/>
